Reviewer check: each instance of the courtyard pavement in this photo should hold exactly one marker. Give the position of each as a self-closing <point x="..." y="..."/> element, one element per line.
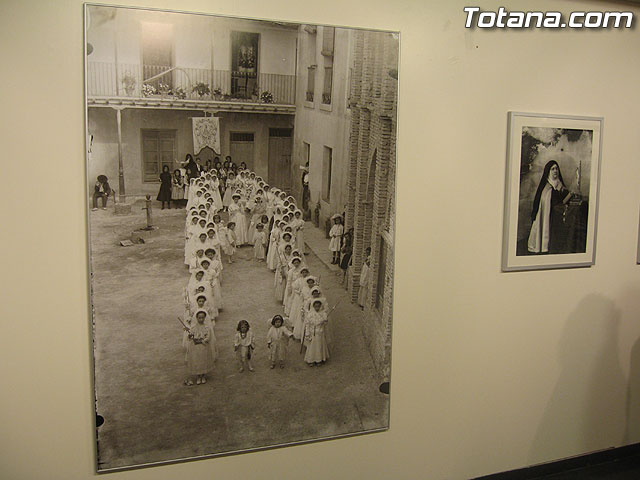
<point x="150" y="416"/>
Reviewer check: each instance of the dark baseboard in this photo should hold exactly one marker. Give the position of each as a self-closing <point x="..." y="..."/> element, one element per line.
<point x="567" y="464"/>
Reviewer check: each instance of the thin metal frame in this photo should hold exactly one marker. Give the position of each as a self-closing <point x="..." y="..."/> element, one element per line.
<point x="88" y="191"/>
<point x="586" y="259"/>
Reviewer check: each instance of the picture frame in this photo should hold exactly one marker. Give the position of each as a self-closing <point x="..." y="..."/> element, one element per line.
<point x="176" y="375"/>
<point x="551" y="193"/>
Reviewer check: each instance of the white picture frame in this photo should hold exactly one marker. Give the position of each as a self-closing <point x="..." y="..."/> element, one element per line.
<point x="551" y="224"/>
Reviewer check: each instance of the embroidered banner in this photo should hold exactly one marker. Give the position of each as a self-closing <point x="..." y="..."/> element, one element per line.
<point x="206" y="133"/>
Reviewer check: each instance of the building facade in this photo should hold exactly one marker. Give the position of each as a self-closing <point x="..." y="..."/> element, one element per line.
<point x="323" y="115"/>
<point x="345" y="128"/>
<point x="148" y="73"/>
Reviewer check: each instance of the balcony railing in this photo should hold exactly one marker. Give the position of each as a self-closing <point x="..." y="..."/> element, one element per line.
<point x="138" y="81"/>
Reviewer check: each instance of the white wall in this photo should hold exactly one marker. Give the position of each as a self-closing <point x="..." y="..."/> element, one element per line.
<point x="491" y="371"/>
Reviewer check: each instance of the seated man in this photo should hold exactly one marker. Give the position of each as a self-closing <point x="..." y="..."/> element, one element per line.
<point x="102" y="190"/>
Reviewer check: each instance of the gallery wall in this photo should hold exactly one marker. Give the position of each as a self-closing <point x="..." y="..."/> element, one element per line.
<point x="491" y="371"/>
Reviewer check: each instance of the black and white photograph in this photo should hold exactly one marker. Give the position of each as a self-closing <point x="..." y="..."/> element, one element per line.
<point x="241" y="211"/>
<point x="552" y="186"/>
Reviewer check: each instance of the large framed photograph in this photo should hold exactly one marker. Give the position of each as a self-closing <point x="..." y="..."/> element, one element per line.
<point x="551" y="196"/>
<point x="241" y="212"/>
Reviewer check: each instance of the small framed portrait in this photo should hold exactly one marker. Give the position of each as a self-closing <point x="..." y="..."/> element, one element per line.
<point x="551" y="195"/>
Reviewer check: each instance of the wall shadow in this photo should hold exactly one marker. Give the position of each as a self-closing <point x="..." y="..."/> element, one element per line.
<point x="586" y="411"/>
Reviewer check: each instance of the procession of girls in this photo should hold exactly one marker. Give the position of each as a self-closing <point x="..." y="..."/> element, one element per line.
<point x="268" y="220"/>
<point x="174" y="187"/>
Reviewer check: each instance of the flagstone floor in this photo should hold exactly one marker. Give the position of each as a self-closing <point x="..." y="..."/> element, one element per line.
<point x="150" y="416"/>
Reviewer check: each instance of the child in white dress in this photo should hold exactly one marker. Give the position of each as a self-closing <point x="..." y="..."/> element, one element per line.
<point x="336" y="236"/>
<point x="199" y="352"/>
<point x="278" y="341"/>
<point x="282" y="269"/>
<point x="302" y="287"/>
<point x="365" y="273"/>
<point x="314" y="335"/>
<point x="292" y="275"/>
<point x="236" y="215"/>
<point x="274" y="238"/>
<point x="213" y="270"/>
<point x="259" y="243"/>
<point x="298" y="225"/>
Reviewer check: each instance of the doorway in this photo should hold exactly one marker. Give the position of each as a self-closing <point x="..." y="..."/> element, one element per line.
<point x="280" y="147"/>
<point x="241" y="148"/>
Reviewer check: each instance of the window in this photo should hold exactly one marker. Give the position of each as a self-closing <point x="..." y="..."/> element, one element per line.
<point x="328" y="40"/>
<point x="307" y="153"/>
<point x="241" y="137"/>
<point x="311" y="58"/>
<point x="328" y="81"/>
<point x="280" y="132"/>
<point x="327" y="164"/>
<point x="157" y="54"/>
<point x="244" y="64"/>
<point x="158" y="149"/>
<point x="311" y="82"/>
<point x="382" y="270"/>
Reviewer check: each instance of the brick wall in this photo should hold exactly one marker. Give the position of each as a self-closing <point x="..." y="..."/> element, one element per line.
<point x="371" y="183"/>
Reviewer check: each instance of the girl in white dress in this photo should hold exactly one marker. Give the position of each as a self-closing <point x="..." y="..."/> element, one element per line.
<point x="274" y="238"/>
<point x="336" y="236"/>
<point x="303" y="286"/>
<point x="292" y="275"/>
<point x="314" y="335"/>
<point x="215" y="187"/>
<point x="365" y="273"/>
<point x="298" y="225"/>
<point x="199" y="349"/>
<point x="278" y="341"/>
<point x="196" y="257"/>
<point x="231" y="188"/>
<point x="236" y="215"/>
<point x="214" y="274"/>
<point x="259" y="243"/>
<point x="229" y="245"/>
<point x="280" y="279"/>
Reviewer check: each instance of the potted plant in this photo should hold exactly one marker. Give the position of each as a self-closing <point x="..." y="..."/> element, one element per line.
<point x="164" y="89"/>
<point x="180" y="93"/>
<point x="201" y="89"/>
<point x="129" y="84"/>
<point x="148" y="90"/>
<point x="217" y="93"/>
<point x="266" y="97"/>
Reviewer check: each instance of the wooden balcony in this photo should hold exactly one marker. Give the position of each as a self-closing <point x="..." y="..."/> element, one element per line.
<point x="134" y="84"/>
